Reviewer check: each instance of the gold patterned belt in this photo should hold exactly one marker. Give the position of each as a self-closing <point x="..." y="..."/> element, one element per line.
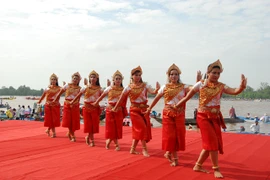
<point x="49" y="103"/>
<point x="67" y="101"/>
<point x="139" y="105"/>
<point x="110" y="107"/>
<point x="209" y="110"/>
<point x="170" y="107"/>
<point x="89" y="106"/>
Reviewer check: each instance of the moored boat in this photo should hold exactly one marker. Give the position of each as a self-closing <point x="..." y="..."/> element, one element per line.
<point x="193" y="121"/>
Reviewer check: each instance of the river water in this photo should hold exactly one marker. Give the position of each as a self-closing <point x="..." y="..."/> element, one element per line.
<point x="255" y="108"/>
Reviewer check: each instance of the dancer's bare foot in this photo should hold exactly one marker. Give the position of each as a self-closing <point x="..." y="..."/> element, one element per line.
<point x="87" y="140"/>
<point x="47" y="132"/>
<point x="107" y="146"/>
<point x="217" y="173"/>
<point x="198" y="168"/>
<point x="92" y="144"/>
<point x="168" y="156"/>
<point x="145" y="152"/>
<point x="69" y="136"/>
<point x="174" y="162"/>
<point x="133" y="151"/>
<point x="53" y="135"/>
<point x="117" y="148"/>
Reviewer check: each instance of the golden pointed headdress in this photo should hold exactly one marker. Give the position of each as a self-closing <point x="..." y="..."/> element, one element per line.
<point x="94" y="73"/>
<point x="136" y="69"/>
<point x="54" y="75"/>
<point x="173" y="67"/>
<point x="216" y="63"/>
<point x="77" y="74"/>
<point x="117" y="73"/>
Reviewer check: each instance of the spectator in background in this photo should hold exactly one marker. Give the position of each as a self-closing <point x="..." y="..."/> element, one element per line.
<point x="29" y="111"/>
<point x="255" y="127"/>
<point x="248" y="116"/>
<point x="9" y="113"/>
<point x="195" y="113"/>
<point x="34" y="108"/>
<point x="22" y="112"/>
<point x="232" y="113"/>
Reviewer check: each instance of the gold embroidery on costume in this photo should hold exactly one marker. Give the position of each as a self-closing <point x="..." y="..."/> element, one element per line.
<point x="209" y="91"/>
<point x="90" y="91"/>
<point x="136" y="91"/>
<point x="115" y="92"/>
<point x="72" y="90"/>
<point x="171" y="90"/>
<point x="52" y="91"/>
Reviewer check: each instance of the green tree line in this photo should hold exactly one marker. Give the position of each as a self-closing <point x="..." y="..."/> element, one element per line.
<point x="249" y="93"/>
<point x="21" y="91"/>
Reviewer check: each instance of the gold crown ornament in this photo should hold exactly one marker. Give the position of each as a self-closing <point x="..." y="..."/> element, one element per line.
<point x="94" y="73"/>
<point x="77" y="74"/>
<point x="118" y="73"/>
<point x="54" y="76"/>
<point x="173" y="67"/>
<point x="216" y="63"/>
<point x="136" y="69"/>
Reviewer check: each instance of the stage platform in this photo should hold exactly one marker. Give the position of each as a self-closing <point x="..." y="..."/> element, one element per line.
<point x="27" y="153"/>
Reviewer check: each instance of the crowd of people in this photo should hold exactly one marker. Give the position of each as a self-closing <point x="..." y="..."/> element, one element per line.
<point x="175" y="94"/>
<point x="22" y="112"/>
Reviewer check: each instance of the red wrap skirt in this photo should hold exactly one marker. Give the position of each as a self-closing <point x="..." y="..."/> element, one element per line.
<point x="114" y="123"/>
<point x="52" y="115"/>
<point x="173" y="131"/>
<point x="71" y="116"/>
<point x="91" y="118"/>
<point x="210" y="127"/>
<point x="141" y="126"/>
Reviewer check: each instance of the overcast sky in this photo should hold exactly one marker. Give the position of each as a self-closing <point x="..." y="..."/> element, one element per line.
<point x="41" y="37"/>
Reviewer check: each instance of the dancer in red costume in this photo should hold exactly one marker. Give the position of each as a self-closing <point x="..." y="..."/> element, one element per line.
<point x="91" y="113"/>
<point x="52" y="109"/>
<point x="209" y="117"/>
<point x="114" y="120"/>
<point x="71" y="112"/>
<point x="137" y="93"/>
<point x="173" y="120"/>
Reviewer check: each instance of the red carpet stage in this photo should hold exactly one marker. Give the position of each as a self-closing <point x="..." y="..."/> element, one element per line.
<point x="27" y="153"/>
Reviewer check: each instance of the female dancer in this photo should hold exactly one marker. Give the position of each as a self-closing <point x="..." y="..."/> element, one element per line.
<point x="173" y="120"/>
<point x="209" y="117"/>
<point x="137" y="93"/>
<point x="114" y="120"/>
<point x="71" y="112"/>
<point x="52" y="109"/>
<point x="91" y="113"/>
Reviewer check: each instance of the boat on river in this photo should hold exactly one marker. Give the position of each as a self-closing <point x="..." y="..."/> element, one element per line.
<point x="192" y="121"/>
<point x="9" y="98"/>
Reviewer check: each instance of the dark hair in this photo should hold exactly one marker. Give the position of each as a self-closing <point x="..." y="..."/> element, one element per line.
<point x="215" y="67"/>
<point x="137" y="71"/>
<point x="97" y="83"/>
